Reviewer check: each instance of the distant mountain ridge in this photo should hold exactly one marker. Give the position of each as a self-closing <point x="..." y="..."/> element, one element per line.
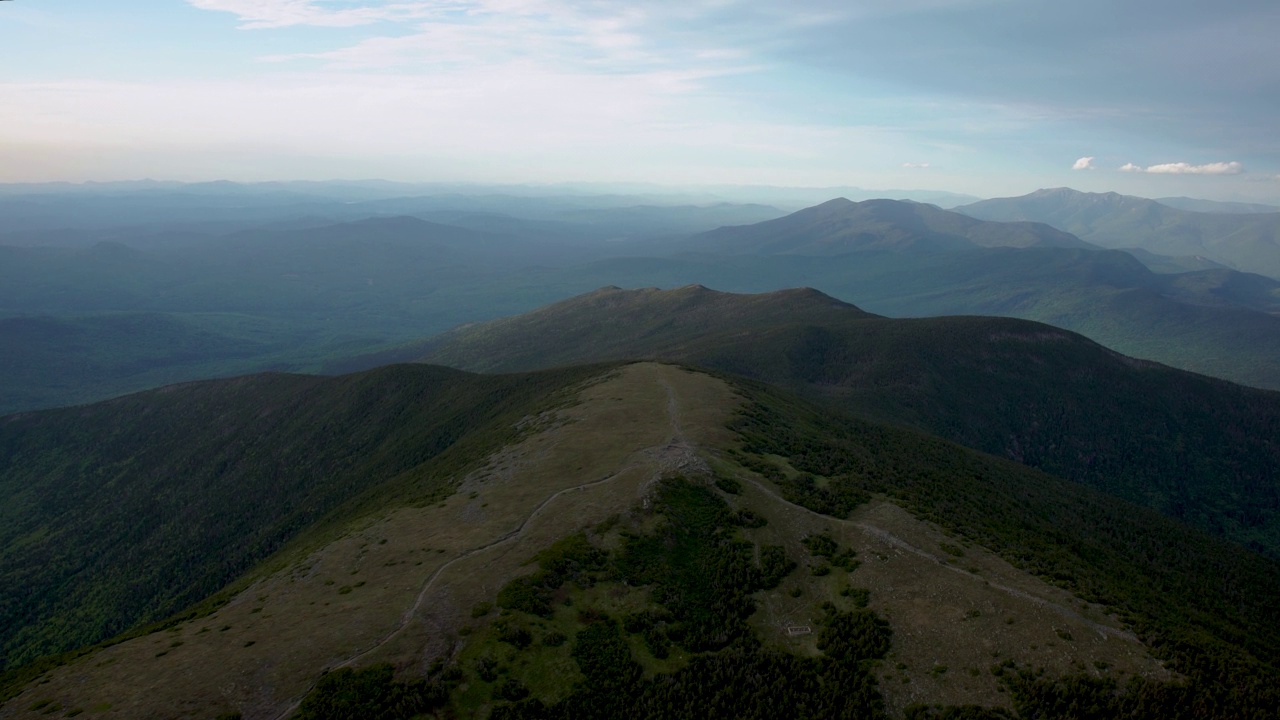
<point x="883" y="256"/>
<point x="841" y="226"/>
<point x="1217" y="206"/>
<point x="308" y="292"/>
<point x="616" y="324"/>
<point x="1248" y="242"/>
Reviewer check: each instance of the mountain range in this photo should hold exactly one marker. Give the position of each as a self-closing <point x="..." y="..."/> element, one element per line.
<point x="883" y="256"/>
<point x="300" y="292"/>
<point x="841" y="226"/>
<point x="1243" y="241"/>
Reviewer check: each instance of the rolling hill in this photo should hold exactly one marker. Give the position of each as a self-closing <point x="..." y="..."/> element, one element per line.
<point x="68" y="360"/>
<point x="660" y="543"/>
<point x="1206" y="321"/>
<point x="1195" y="448"/>
<point x="841" y="226"/>
<point x="79" y="324"/>
<point x="1243" y="241"/>
<point x="224" y="278"/>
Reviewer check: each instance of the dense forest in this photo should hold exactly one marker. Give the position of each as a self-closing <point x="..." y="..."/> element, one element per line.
<point x="124" y="513"/>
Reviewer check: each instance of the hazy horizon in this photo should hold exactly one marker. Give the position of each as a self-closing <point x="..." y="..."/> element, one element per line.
<point x="981" y="97"/>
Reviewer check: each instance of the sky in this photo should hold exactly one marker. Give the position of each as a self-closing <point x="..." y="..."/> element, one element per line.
<point x="987" y="97"/>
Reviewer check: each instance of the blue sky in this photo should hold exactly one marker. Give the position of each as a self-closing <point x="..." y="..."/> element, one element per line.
<point x="989" y="97"/>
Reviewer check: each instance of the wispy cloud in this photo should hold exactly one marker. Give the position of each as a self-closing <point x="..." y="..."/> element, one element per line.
<point x="1084" y="163"/>
<point x="915" y="166"/>
<point x="1218" y="168"/>
<point x="557" y="36"/>
<point x="266" y="14"/>
<point x="1182" y="168"/>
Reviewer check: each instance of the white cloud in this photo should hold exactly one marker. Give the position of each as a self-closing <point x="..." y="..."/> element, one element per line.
<point x="1084" y="163"/>
<point x="915" y="166"/>
<point x="1218" y="168"/>
<point x="1181" y="168"/>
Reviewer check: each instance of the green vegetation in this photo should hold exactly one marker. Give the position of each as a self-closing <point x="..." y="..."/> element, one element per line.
<point x="699" y="571"/>
<point x="126" y="513"/>
<point x="51" y="361"/>
<point x="1204" y="605"/>
<point x="570" y="559"/>
<point x="1197" y="449"/>
<point x="824" y="547"/>
<point x="371" y="693"/>
<point x="962" y="712"/>
<point x="700" y="582"/>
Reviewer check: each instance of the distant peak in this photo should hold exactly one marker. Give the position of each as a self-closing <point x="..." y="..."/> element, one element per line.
<point x="1073" y="193"/>
<point x="808" y="293"/>
<point x="839" y="202"/>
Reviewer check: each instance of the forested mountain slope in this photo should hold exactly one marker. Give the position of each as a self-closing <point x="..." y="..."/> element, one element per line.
<point x="1199" y="449"/>
<point x="125" y="512"/>
<point x="673" y="544"/>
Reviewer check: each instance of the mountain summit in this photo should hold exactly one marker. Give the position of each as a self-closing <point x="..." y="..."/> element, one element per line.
<point x="616" y="324"/>
<point x="841" y="226"/>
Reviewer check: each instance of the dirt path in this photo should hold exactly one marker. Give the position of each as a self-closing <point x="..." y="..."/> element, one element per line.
<point x="673" y="413"/>
<point x="898" y="542"/>
<point x="409" y="614"/>
<point x="676" y="454"/>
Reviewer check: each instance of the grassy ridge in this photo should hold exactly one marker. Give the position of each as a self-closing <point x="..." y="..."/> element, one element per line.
<point x="695" y="575"/>
<point x="1106" y="295"/>
<point x="125" y="512"/>
<point x="1202" y="604"/>
<point x="1198" y="449"/>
